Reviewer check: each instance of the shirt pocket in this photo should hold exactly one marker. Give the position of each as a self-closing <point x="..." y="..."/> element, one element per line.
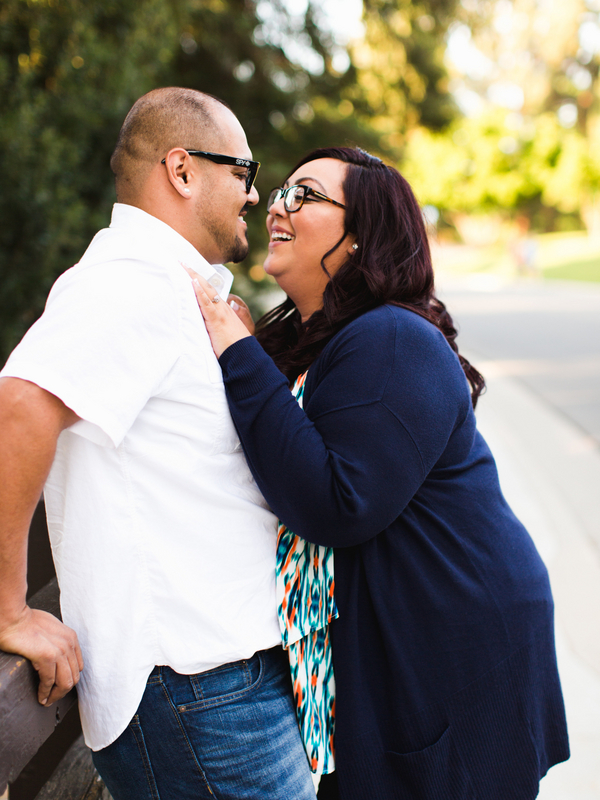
<point x="226" y="439"/>
<point x="434" y="771"/>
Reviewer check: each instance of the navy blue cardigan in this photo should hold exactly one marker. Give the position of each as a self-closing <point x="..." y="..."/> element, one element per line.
<point x="446" y="678"/>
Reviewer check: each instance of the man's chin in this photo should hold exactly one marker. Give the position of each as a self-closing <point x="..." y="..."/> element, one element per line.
<point x="238" y="252"/>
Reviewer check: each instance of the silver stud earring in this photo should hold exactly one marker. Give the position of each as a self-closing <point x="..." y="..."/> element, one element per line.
<point x="355" y="246"/>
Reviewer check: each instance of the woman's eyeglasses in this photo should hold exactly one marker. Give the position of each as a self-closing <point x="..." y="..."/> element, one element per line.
<point x="294" y="197"/>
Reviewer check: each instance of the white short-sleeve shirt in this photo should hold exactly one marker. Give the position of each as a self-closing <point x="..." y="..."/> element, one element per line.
<point x="164" y="546"/>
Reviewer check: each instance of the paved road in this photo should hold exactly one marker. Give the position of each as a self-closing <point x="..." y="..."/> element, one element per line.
<point x="539" y="347"/>
<point x="547" y="334"/>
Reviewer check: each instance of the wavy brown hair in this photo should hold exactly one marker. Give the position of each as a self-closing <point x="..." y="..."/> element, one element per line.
<point x="391" y="265"/>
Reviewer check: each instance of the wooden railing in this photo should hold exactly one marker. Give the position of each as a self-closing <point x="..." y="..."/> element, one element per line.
<point x="42" y="754"/>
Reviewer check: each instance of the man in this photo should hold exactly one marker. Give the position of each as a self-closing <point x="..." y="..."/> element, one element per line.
<point x="164" y="547"/>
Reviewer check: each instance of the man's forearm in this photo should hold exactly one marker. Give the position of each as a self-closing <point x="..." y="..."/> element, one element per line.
<point x="31" y="421"/>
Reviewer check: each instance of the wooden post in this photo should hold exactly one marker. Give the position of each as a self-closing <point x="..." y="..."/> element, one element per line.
<point x="75" y="778"/>
<point x="24" y="723"/>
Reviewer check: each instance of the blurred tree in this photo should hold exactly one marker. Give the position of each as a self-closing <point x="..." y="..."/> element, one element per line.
<point x="491" y="162"/>
<point x="532" y="57"/>
<point x="401" y="77"/>
<point x="275" y="69"/>
<point x="526" y="75"/>
<point x="70" y="69"/>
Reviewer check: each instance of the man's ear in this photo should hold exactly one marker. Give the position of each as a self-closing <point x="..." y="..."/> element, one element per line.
<point x="180" y="172"/>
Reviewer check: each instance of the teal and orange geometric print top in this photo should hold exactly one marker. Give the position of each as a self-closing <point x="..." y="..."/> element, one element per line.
<point x="306" y="606"/>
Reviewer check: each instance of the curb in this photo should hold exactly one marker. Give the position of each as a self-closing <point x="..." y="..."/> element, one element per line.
<point x="550" y="473"/>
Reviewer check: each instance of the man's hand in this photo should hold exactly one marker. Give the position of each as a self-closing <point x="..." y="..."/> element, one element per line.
<point x="51" y="647"/>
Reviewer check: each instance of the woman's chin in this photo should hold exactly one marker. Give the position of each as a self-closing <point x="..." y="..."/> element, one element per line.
<point x="270" y="268"/>
<point x="279" y="275"/>
<point x="280" y="281"/>
<point x="267" y="266"/>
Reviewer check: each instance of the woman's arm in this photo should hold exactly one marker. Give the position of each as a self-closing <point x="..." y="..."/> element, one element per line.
<point x="343" y="476"/>
<point x="338" y="480"/>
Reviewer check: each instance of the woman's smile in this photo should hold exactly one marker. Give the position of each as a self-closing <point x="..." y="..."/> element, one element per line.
<point x="299" y="241"/>
<point x="279" y="235"/>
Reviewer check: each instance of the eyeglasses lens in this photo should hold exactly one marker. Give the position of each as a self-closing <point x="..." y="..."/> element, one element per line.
<point x="251" y="177"/>
<point x="273" y="197"/>
<point x="293" y="197"/>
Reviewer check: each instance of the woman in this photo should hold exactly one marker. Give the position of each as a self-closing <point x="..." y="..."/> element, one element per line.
<point x="443" y="652"/>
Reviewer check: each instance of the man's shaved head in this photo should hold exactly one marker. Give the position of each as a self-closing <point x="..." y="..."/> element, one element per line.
<point x="157" y="122"/>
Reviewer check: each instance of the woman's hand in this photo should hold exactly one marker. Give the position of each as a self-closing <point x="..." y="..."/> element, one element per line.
<point x="242" y="310"/>
<point x="223" y="324"/>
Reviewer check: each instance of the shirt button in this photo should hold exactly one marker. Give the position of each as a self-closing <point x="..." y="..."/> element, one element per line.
<point x="216" y="281"/>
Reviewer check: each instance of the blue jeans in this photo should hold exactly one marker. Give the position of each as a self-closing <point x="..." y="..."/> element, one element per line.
<point x="226" y="734"/>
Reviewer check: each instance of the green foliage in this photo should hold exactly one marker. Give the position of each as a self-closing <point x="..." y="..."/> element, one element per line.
<point x="534" y="147"/>
<point x="401" y="80"/>
<point x="286" y="111"/>
<point x="495" y="162"/>
<point x="70" y="70"/>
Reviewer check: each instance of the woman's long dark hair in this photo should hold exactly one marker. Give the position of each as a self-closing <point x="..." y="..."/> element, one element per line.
<point x="391" y="265"/>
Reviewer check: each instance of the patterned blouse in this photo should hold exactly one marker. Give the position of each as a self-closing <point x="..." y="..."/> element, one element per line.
<point x="306" y="605"/>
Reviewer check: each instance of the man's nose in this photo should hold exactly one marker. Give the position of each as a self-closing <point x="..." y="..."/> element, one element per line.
<point x="253" y="197"/>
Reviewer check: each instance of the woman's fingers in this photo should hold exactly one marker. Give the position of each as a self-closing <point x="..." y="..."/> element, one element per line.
<point x="222" y="323"/>
<point x="242" y="310"/>
<point x="200" y="289"/>
<point x="207" y="296"/>
<point x="205" y="293"/>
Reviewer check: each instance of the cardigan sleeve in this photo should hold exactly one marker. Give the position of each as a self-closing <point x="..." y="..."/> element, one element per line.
<point x="343" y="471"/>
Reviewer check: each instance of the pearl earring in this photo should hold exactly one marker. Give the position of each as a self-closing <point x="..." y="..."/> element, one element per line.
<point x="186" y="190"/>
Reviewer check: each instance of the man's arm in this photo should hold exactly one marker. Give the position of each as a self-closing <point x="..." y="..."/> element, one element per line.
<point x="31" y="420"/>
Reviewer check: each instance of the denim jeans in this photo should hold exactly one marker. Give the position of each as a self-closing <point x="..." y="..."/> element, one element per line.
<point x="226" y="734"/>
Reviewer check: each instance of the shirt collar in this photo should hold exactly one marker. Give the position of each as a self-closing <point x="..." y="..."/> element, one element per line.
<point x="152" y="228"/>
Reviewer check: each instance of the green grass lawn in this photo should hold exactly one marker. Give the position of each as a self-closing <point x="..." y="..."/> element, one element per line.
<point x="576" y="271"/>
<point x="559" y="256"/>
<point x="569" y="256"/>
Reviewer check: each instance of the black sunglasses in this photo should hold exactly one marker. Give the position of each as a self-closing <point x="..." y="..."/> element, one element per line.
<point x="217" y="158"/>
<point x="294" y="197"/>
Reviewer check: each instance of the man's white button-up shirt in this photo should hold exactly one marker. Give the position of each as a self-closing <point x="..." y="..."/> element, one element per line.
<point x="164" y="547"/>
